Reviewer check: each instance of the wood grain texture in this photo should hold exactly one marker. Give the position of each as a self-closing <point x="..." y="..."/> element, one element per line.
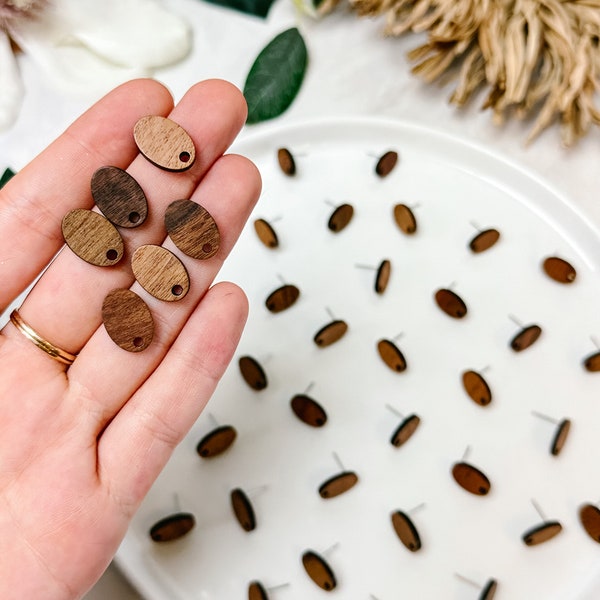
<point x="484" y="240"/>
<point x="92" y="237"/>
<point x="489" y="591"/>
<point x="128" y="320"/>
<point x="386" y="163"/>
<point x="477" y="388"/>
<point x="405" y="430"/>
<point x="338" y="484"/>
<point x="471" y="479"/>
<point x="405" y="219"/>
<point x="256" y="591"/>
<point x="282" y="298"/>
<point x="119" y="196"/>
<point x="391" y="355"/>
<point x="308" y="410"/>
<point x="560" y="437"/>
<point x="406" y="531"/>
<point x="330" y="333"/>
<point x="340" y="218"/>
<point x="164" y="143"/>
<point x="243" y="509"/>
<point x="589" y="516"/>
<point x="286" y="161"/>
<point x="525" y="338"/>
<point x="216" y="441"/>
<point x="451" y="303"/>
<point x="542" y="533"/>
<point x="382" y="278"/>
<point x="266" y="234"/>
<point x="160" y="273"/>
<point x="319" y="570"/>
<point x="192" y="229"/>
<point x="172" y="527"/>
<point x="559" y="269"/>
<point x="253" y="373"/>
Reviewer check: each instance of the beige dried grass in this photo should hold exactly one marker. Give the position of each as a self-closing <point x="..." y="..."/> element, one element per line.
<point x="537" y="58"/>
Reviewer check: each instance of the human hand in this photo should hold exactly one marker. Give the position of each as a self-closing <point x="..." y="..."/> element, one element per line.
<point x="81" y="445"/>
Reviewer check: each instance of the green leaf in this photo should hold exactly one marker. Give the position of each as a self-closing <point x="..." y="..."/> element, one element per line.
<point x="276" y="76"/>
<point x="259" y="8"/>
<point x="6" y="176"/>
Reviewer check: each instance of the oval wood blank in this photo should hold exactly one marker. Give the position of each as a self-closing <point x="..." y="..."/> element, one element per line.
<point x="592" y="362"/>
<point x="386" y="163"/>
<point x="256" y="591"/>
<point x="286" y="161"/>
<point x="391" y="355"/>
<point x="405" y="219"/>
<point x="309" y="411"/>
<point x="128" y="320"/>
<point x="526" y="337"/>
<point x="266" y="234"/>
<point x="484" y="240"/>
<point x="160" y="273"/>
<point x="560" y="437"/>
<point x="406" y="531"/>
<point x="318" y="570"/>
<point x="216" y="441"/>
<point x="164" y="143"/>
<point x="405" y="430"/>
<point x="559" y="270"/>
<point x="119" y="196"/>
<point x="92" y="237"/>
<point x="253" y="373"/>
<point x="542" y="533"/>
<point x="340" y="217"/>
<point x="383" y="276"/>
<point x="451" y="303"/>
<point x="192" y="229"/>
<point x="242" y="509"/>
<point x="477" y="388"/>
<point x="282" y="298"/>
<point x="489" y="591"/>
<point x="589" y="515"/>
<point x="338" y="484"/>
<point x="471" y="479"/>
<point x="331" y="333"/>
<point x="172" y="527"/>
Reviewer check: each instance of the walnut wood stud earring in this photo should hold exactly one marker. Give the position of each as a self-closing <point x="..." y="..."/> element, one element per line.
<point x="192" y="229"/>
<point x="286" y="161"/>
<point x="484" y="240"/>
<point x="526" y="337"/>
<point x="386" y="163"/>
<point x="476" y="387"/>
<point x="405" y="219"/>
<point x="173" y="526"/>
<point x="128" y="320"/>
<point x="160" y="273"/>
<point x="470" y="478"/>
<point x="488" y="591"/>
<point x="560" y="436"/>
<point x="543" y="532"/>
<point x="451" y="303"/>
<point x="92" y="237"/>
<point x="282" y="298"/>
<point x="318" y="570"/>
<point x="382" y="277"/>
<point x="559" y="269"/>
<point x="405" y="430"/>
<point x="216" y="441"/>
<point x="589" y="516"/>
<point x="391" y="355"/>
<point x="119" y="196"/>
<point x="256" y="590"/>
<point x="339" y="483"/>
<point x="308" y="410"/>
<point x="591" y="363"/>
<point x="164" y="143"/>
<point x="405" y="529"/>
<point x="340" y="217"/>
<point x="243" y="509"/>
<point x="266" y="234"/>
<point x="253" y="373"/>
<point x="331" y="332"/>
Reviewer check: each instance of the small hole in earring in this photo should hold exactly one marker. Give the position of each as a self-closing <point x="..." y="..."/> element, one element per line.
<point x="184" y="157"/>
<point x="112" y="254"/>
<point x="177" y="290"/>
<point x="206" y="248"/>
<point x="138" y="342"/>
<point x="134" y="217"/>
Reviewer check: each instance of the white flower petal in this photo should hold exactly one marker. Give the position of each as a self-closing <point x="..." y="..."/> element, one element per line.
<point x="11" y="86"/>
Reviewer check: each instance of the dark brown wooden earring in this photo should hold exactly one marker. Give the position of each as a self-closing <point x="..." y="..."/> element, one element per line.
<point x="560" y="436"/>
<point x="484" y="240"/>
<point x="526" y="337"/>
<point x="589" y="516"/>
<point x="339" y="483"/>
<point x="477" y="388"/>
<point x="319" y="570"/>
<point x="256" y="591"/>
<point x="559" y="269"/>
<point x="405" y="529"/>
<point x="543" y="532"/>
<point x="253" y="373"/>
<point x="128" y="320"/>
<point x="172" y="527"/>
<point x="340" y="218"/>
<point x="119" y="196"/>
<point x="215" y="442"/>
<point x="405" y="219"/>
<point x="286" y="161"/>
<point x="266" y="234"/>
<point x="92" y="237"/>
<point x="242" y="509"/>
<point x="451" y="303"/>
<point x="405" y="430"/>
<point x="386" y="163"/>
<point x="470" y="478"/>
<point x="488" y="591"/>
<point x="331" y="332"/>
<point x="282" y="298"/>
<point x="308" y="410"/>
<point x="391" y="355"/>
<point x="591" y="362"/>
<point x="164" y="143"/>
<point x="382" y="278"/>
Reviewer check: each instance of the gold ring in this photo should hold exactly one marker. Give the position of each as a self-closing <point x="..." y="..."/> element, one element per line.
<point x="55" y="352"/>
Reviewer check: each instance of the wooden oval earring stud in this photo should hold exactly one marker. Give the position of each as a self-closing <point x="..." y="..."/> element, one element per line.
<point x="308" y="410"/>
<point x="543" y="532"/>
<point x="339" y="483"/>
<point x="406" y="428"/>
<point x="488" y="591"/>
<point x="340" y="218"/>
<point x="391" y="355"/>
<point x="526" y="337"/>
<point x="477" y="388"/>
<point x="331" y="332"/>
<point x="405" y="219"/>
<point x="405" y="529"/>
<point x="216" y="441"/>
<point x="286" y="161"/>
<point x="470" y="478"/>
<point x="559" y="270"/>
<point x="256" y="590"/>
<point x="318" y="569"/>
<point x="560" y="436"/>
<point x="589" y="517"/>
<point x="173" y="526"/>
<point x="243" y="509"/>
<point x="266" y="234"/>
<point x="282" y="298"/>
<point x="386" y="163"/>
<point x="451" y="303"/>
<point x="382" y="278"/>
<point x="484" y="240"/>
<point x="253" y="373"/>
<point x="591" y="363"/>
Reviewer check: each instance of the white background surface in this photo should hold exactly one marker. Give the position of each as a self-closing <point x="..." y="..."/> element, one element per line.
<point x="353" y="70"/>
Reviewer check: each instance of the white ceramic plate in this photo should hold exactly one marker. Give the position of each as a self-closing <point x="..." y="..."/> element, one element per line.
<point x="280" y="462"/>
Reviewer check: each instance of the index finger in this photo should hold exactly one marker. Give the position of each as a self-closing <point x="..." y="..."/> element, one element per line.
<point x="33" y="203"/>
